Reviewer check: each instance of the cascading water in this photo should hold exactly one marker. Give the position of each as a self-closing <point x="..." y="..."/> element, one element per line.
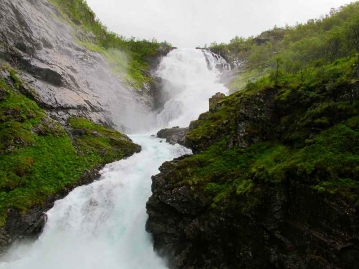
<point x="102" y="225"/>
<point x="215" y="60"/>
<point x="189" y="83"/>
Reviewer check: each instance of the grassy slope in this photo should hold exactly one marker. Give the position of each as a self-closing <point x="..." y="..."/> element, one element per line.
<point x="37" y="156"/>
<point x="295" y="49"/>
<point x="313" y="140"/>
<point x="314" y="134"/>
<point x="128" y="56"/>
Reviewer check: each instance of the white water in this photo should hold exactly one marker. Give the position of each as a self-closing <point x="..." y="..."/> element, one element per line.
<point x="189" y="84"/>
<point x="102" y="225"/>
<point x="215" y="59"/>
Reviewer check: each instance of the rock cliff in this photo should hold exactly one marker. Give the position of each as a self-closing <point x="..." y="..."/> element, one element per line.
<point x="69" y="79"/>
<point x="273" y="180"/>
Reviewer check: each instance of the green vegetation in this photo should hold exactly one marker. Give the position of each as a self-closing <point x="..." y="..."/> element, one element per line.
<point x="299" y="125"/>
<point x="295" y="49"/>
<point x="128" y="56"/>
<point x="100" y="144"/>
<point x="38" y="157"/>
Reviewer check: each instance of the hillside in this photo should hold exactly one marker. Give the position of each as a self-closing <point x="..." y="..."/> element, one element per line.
<point x="139" y="54"/>
<point x="293" y="49"/>
<point x="65" y="83"/>
<point x="76" y="67"/>
<point x="273" y="182"/>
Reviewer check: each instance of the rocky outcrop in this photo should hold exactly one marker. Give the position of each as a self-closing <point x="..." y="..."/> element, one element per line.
<point x="68" y="79"/>
<point x="213" y="101"/>
<point x="258" y="191"/>
<point x="291" y="226"/>
<point x="249" y="122"/>
<point x="174" y="135"/>
<point x="29" y="223"/>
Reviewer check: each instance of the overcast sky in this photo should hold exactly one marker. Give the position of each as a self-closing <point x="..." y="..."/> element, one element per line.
<point x="190" y="23"/>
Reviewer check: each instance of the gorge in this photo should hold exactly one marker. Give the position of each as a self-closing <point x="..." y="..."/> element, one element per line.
<point x="259" y="173"/>
<point x="108" y="216"/>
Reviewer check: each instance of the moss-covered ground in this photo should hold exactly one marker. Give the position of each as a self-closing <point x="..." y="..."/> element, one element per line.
<point x="38" y="157"/>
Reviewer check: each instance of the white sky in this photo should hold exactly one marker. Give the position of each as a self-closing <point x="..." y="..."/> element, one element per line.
<point x="190" y="23"/>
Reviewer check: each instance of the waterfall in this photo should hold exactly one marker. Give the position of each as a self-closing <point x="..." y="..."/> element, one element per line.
<point x="188" y="83"/>
<point x="215" y="61"/>
<point x="102" y="225"/>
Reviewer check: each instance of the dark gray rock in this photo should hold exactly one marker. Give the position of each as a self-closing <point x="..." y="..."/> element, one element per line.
<point x="174" y="135"/>
<point x="291" y="226"/>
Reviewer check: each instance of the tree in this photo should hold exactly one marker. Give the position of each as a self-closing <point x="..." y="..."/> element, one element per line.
<point x="334" y="43"/>
<point x="277" y="72"/>
<point x="353" y="33"/>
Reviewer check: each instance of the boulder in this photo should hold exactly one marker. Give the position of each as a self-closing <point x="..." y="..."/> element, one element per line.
<point x="174" y="135"/>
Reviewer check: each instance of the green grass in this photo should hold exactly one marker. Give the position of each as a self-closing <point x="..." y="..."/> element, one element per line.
<point x="247" y="75"/>
<point x="100" y="144"/>
<point x="37" y="156"/>
<point x="328" y="159"/>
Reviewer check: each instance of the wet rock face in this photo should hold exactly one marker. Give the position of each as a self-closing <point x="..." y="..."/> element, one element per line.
<point x="174" y="135"/>
<point x="67" y="78"/>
